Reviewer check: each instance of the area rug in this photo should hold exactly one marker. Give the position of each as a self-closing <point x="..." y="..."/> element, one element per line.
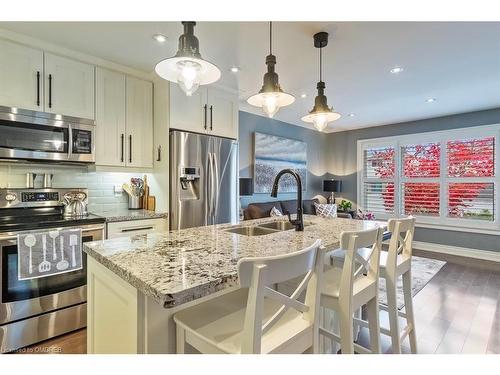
<point x="422" y="269"/>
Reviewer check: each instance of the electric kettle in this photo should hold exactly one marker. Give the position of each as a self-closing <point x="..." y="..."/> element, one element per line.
<point x="75" y="204"/>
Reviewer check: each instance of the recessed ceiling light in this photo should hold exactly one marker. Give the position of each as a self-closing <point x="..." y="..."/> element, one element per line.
<point x="396" y="70"/>
<point x="234" y="69"/>
<point x="351" y="115"/>
<point x="430" y="100"/>
<point x="160" y="38"/>
<point x="303" y="96"/>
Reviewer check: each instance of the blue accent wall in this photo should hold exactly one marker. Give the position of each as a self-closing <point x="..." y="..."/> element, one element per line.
<point x="317" y="144"/>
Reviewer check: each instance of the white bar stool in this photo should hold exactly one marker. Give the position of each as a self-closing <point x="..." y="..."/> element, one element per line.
<point x="256" y="318"/>
<point x="355" y="286"/>
<point x="394" y="263"/>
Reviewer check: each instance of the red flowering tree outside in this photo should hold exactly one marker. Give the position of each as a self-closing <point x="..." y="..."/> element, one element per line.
<point x="471" y="158"/>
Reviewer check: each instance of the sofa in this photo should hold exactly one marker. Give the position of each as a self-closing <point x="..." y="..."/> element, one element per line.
<point x="262" y="210"/>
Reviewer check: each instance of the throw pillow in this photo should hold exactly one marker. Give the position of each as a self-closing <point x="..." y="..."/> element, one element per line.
<point x="326" y="210"/>
<point x="275" y="212"/>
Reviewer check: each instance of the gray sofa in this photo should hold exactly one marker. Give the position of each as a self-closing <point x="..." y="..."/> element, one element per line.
<point x="262" y="210"/>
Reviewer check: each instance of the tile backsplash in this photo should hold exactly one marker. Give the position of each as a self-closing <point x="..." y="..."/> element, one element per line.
<point x="100" y="184"/>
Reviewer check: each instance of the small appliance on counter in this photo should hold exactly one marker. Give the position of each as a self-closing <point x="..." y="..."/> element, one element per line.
<point x="38" y="309"/>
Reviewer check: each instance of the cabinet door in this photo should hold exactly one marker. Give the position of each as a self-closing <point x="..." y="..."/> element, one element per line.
<point x="69" y="87"/>
<point x="139" y="123"/>
<point x="189" y="113"/>
<point x="19" y="85"/>
<point x="110" y="118"/>
<point x="223" y="113"/>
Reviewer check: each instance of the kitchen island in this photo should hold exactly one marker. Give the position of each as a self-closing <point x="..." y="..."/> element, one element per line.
<point x="136" y="284"/>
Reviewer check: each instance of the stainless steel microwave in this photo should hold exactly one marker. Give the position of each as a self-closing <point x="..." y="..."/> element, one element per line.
<point x="30" y="135"/>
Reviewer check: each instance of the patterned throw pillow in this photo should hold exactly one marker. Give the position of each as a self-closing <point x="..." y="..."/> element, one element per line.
<point x="275" y="212"/>
<point x="326" y="210"/>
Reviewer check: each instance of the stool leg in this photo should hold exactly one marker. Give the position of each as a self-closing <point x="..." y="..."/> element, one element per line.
<point x="357" y="327"/>
<point x="346" y="332"/>
<point x="374" y="325"/>
<point x="393" y="314"/>
<point x="180" y="339"/>
<point x="410" y="316"/>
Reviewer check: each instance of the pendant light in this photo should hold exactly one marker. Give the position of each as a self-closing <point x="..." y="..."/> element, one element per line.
<point x="187" y="67"/>
<point x="321" y="114"/>
<point x="271" y="97"/>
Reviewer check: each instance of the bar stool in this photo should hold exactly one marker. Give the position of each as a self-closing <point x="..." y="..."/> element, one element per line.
<point x="394" y="263"/>
<point x="355" y="286"/>
<point x="256" y="318"/>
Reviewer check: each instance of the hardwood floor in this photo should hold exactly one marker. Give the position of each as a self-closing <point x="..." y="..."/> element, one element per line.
<point x="458" y="311"/>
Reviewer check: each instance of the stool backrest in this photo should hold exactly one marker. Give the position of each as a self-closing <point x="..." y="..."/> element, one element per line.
<point x="402" y="231"/>
<point x="260" y="273"/>
<point x="356" y="267"/>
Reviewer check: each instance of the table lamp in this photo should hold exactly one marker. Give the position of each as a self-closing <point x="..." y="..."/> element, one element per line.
<point x="332" y="186"/>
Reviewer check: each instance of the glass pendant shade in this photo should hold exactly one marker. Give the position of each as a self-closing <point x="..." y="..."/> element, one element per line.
<point x="187" y="67"/>
<point x="271" y="97"/>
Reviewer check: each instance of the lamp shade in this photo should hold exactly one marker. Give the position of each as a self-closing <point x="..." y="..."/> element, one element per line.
<point x="246" y="186"/>
<point x="334" y="186"/>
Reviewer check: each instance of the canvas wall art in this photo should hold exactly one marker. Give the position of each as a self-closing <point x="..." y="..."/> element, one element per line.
<point x="272" y="154"/>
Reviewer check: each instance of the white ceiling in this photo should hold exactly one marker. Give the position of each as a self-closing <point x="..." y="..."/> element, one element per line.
<point x="456" y="63"/>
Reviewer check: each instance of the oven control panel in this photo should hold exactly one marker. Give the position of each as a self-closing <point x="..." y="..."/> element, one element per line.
<point x="39" y="196"/>
<point x="22" y="198"/>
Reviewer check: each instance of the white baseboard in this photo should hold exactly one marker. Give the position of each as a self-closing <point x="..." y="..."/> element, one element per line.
<point x="458" y="251"/>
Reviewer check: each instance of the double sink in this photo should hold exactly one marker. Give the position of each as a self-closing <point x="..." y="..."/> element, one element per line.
<point x="263" y="229"/>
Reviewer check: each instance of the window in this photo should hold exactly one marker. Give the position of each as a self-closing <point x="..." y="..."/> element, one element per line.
<point x="421" y="169"/>
<point x="447" y="177"/>
<point x="379" y="171"/>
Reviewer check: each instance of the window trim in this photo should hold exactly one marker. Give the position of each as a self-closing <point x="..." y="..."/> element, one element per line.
<point x="442" y="137"/>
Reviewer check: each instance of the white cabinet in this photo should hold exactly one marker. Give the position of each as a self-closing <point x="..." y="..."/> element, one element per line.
<point x="188" y="113"/>
<point x="124" y="120"/>
<point x="223" y="113"/>
<point x="139" y="123"/>
<point x="21" y="76"/>
<point x="135" y="227"/>
<point x="69" y="87"/>
<point x="110" y="118"/>
<point x="208" y="111"/>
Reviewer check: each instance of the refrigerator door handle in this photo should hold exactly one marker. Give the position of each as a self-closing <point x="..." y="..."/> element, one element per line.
<point x="209" y="187"/>
<point x="217" y="183"/>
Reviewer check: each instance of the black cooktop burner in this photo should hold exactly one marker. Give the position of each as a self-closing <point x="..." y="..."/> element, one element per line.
<point x="21" y="219"/>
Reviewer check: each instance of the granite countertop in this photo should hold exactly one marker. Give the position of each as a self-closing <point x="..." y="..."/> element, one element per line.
<point x="179" y="266"/>
<point x="126" y="215"/>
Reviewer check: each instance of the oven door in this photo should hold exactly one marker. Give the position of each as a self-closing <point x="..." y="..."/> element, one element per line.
<point x="24" y="298"/>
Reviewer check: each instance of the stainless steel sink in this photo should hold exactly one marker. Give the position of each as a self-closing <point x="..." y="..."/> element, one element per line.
<point x="280" y="225"/>
<point x="263" y="229"/>
<point x="250" y="231"/>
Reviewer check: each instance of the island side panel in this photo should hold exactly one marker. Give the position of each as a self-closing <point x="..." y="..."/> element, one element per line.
<point x="113" y="314"/>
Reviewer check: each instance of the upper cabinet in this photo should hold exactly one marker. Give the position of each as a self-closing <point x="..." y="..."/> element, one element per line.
<point x="21" y="76"/>
<point x="110" y="118"/>
<point x="69" y="87"/>
<point x="208" y="111"/>
<point x="139" y="123"/>
<point x="124" y="120"/>
<point x="34" y="80"/>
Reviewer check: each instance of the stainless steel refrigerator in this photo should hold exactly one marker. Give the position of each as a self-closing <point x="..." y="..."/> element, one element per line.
<point x="203" y="180"/>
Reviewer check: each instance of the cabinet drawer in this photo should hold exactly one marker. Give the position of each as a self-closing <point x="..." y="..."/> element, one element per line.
<point x="135" y="227"/>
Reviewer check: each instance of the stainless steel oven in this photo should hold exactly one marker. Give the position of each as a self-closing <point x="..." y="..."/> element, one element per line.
<point x="34" y="310"/>
<point x="30" y="135"/>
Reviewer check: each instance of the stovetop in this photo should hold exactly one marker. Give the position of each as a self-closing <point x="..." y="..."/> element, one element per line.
<point x="20" y="219"/>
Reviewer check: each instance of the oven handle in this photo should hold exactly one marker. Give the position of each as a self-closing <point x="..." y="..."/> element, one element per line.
<point x="84" y="230"/>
